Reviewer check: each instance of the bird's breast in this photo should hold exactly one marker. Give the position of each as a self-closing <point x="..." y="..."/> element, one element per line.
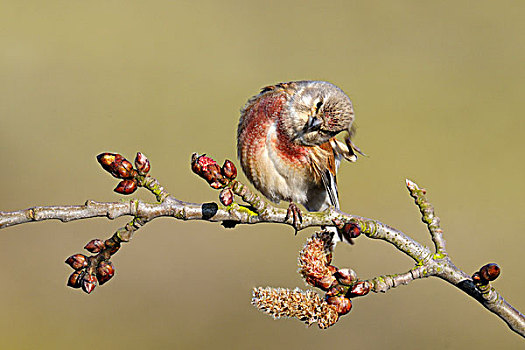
<point x="277" y="167"/>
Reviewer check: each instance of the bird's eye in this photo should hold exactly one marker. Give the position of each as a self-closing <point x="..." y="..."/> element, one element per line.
<point x="318" y="106"/>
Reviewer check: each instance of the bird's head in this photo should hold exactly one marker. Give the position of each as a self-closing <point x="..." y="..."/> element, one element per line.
<point x="316" y="112"/>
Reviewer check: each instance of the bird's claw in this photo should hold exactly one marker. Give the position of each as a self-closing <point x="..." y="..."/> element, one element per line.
<point x="294" y="213"/>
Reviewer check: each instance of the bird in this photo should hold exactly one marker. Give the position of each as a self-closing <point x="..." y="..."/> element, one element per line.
<point x="287" y="145"/>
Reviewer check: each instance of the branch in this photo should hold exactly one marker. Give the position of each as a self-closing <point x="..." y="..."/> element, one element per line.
<point x="340" y="284"/>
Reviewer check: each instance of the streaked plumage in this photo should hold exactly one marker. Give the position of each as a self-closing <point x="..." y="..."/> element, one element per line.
<point x="286" y="142"/>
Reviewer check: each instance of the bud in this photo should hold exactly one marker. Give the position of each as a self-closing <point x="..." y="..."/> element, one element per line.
<point x="486" y="274"/>
<point x="336" y="290"/>
<point x="107" y="160"/>
<point x="116" y="165"/>
<point x="125" y="169"/>
<point x="77" y="261"/>
<point x="113" y="245"/>
<point x="359" y="289"/>
<point x="229" y="170"/>
<point x="89" y="282"/>
<point x="212" y="173"/>
<point x="343" y="305"/>
<point x="142" y="164"/>
<point x="490" y="272"/>
<point x="325" y="283"/>
<point x="196" y="167"/>
<point x="105" y="271"/>
<point x="351" y="230"/>
<point x="216" y="185"/>
<point x="346" y="276"/>
<point x="95" y="246"/>
<point x="126" y="186"/>
<point x="226" y="196"/>
<point x="200" y="163"/>
<point x="209" y="170"/>
<point x="75" y="279"/>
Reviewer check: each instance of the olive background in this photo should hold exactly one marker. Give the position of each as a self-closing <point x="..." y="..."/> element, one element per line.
<point x="438" y="94"/>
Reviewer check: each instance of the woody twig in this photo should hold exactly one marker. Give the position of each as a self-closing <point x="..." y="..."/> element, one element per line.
<point x="339" y="284"/>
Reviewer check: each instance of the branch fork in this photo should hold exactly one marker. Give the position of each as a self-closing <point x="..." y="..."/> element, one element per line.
<point x="340" y="285"/>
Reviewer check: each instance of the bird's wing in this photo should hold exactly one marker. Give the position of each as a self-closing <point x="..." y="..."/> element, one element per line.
<point x="330" y="184"/>
<point x="326" y="159"/>
<point x="328" y="174"/>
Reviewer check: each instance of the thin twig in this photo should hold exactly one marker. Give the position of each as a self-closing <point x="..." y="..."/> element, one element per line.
<point x="428" y="216"/>
<point x="428" y="263"/>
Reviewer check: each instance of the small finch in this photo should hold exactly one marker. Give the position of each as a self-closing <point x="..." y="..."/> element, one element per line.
<point x="287" y="147"/>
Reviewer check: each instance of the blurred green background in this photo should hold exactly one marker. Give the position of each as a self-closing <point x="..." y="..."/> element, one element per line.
<point x="438" y="89"/>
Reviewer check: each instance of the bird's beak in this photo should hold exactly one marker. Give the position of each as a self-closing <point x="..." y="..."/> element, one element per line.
<point x="313" y="124"/>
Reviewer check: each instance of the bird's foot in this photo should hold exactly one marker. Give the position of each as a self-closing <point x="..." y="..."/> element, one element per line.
<point x="294" y="213"/>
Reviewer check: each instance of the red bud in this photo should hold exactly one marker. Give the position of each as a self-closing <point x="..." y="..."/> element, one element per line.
<point x="142" y="163"/>
<point x="486" y="274"/>
<point x="89" y="282"/>
<point x="209" y="170"/>
<point x="226" y="196"/>
<point x="95" y="246"/>
<point x="125" y="169"/>
<point x="346" y="276"/>
<point x="126" y="187"/>
<point x="343" y="305"/>
<point x="216" y="185"/>
<point x="324" y="283"/>
<point x="229" y="170"/>
<point x="112" y="245"/>
<point x="198" y="163"/>
<point x="107" y="161"/>
<point x="75" y="279"/>
<point x="489" y="272"/>
<point x="116" y="164"/>
<point x="359" y="289"/>
<point x="351" y="230"/>
<point x="105" y="271"/>
<point x="212" y="173"/>
<point x="77" y="261"/>
<point x="336" y="290"/>
<point x="196" y="167"/>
